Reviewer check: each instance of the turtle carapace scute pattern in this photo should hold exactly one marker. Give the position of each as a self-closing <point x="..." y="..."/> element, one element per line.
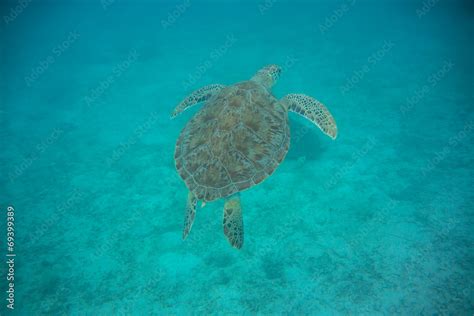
<point x="236" y="141"/>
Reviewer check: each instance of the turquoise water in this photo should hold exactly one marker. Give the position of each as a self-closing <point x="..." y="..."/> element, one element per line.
<point x="377" y="222"/>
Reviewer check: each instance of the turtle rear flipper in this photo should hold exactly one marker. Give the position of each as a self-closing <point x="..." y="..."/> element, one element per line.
<point x="190" y="214"/>
<point x="233" y="223"/>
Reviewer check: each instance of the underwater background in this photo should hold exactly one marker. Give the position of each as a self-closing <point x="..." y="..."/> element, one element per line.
<point x="377" y="222"/>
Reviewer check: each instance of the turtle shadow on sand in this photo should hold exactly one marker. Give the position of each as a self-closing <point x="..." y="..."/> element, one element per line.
<point x="305" y="141"/>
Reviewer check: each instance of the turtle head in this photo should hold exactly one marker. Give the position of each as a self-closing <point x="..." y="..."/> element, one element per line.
<point x="267" y="76"/>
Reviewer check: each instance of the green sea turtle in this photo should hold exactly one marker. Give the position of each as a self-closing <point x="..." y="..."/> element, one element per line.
<point x="236" y="141"/>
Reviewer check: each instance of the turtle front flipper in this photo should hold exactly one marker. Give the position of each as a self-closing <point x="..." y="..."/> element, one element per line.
<point x="233" y="223"/>
<point x="196" y="97"/>
<point x="312" y="110"/>
<point x="190" y="214"/>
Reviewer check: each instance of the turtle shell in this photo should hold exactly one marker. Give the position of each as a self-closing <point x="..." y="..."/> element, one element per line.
<point x="234" y="142"/>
